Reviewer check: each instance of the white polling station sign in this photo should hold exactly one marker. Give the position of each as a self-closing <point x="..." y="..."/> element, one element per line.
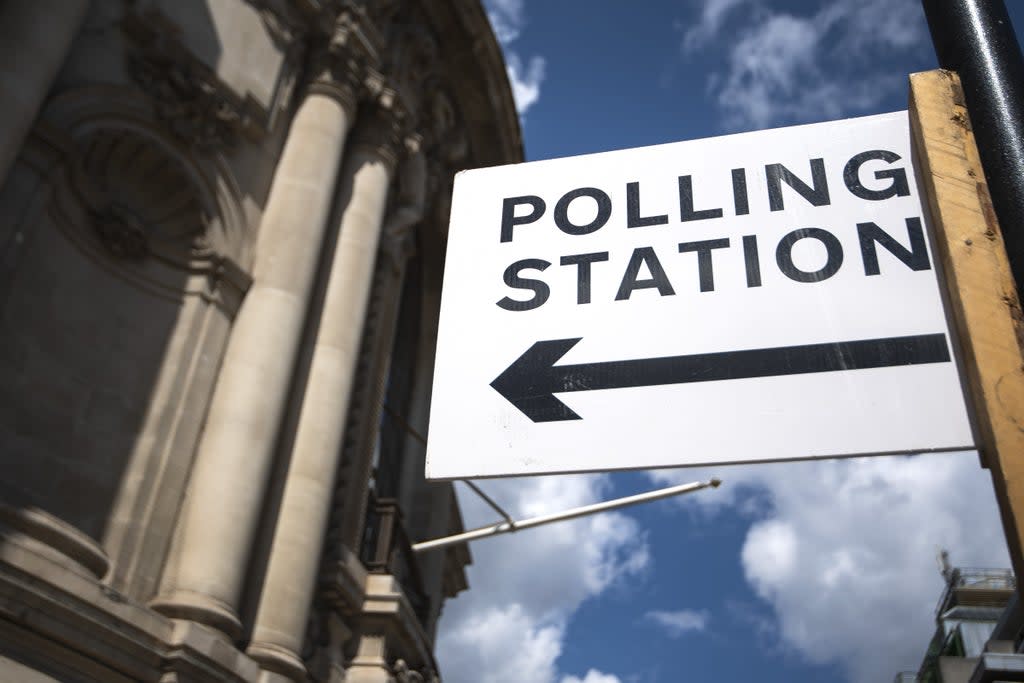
<point x="753" y="297"/>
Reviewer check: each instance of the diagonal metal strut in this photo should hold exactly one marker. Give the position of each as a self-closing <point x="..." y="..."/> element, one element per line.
<point x="509" y="525"/>
<point x="490" y="501"/>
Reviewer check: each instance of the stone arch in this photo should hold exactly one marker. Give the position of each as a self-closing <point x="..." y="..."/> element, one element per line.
<point x="114" y="316"/>
<point x="150" y="203"/>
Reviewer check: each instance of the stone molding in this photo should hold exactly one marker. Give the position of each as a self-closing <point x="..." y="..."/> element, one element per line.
<point x="189" y="104"/>
<point x="409" y="204"/>
<point x="189" y="98"/>
<point x="339" y="65"/>
<point x="54" y="534"/>
<point x="383" y="130"/>
<point x="281" y="23"/>
<point x="277" y="659"/>
<point x="403" y="674"/>
<point x="92" y="632"/>
<point x="199" y="608"/>
<point x="387" y="613"/>
<point x="138" y="203"/>
<point x="186" y="96"/>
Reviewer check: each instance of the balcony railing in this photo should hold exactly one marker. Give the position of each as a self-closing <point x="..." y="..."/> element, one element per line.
<point x="967" y="578"/>
<point x="984" y="578"/>
<point x="387" y="550"/>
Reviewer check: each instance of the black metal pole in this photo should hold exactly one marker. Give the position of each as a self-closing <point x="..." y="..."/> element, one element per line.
<point x="975" y="39"/>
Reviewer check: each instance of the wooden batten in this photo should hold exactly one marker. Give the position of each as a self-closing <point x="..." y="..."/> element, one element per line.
<point x="982" y="294"/>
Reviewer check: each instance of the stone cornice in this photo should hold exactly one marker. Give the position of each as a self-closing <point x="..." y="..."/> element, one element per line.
<point x="81" y="620"/>
<point x="342" y="63"/>
<point x="383" y="128"/>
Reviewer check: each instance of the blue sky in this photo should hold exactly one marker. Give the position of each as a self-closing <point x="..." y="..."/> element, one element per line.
<point x="796" y="572"/>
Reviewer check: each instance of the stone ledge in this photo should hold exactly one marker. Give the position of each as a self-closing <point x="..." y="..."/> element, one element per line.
<point x="75" y="617"/>
<point x="387" y="611"/>
<point x="30" y="526"/>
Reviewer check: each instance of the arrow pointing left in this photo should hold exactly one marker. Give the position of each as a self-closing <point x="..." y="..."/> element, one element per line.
<point x="532" y="380"/>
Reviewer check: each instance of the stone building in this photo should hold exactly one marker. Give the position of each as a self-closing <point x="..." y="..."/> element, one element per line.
<point x="223" y="228"/>
<point x="978" y="630"/>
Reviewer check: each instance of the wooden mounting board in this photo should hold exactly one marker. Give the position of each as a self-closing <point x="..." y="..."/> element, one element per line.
<point x="982" y="294"/>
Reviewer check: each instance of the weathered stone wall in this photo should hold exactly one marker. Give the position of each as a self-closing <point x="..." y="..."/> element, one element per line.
<point x="211" y="209"/>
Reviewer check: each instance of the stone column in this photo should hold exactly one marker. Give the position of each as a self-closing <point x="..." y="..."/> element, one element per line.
<point x="233" y="461"/>
<point x="35" y="38"/>
<point x="302" y="521"/>
<point x="352" y="494"/>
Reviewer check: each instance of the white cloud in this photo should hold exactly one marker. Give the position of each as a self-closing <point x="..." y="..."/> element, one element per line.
<point x="592" y="676"/>
<point x="680" y="622"/>
<point x="844" y="550"/>
<point x="499" y="644"/>
<point x="525" y="587"/>
<point x="712" y="16"/>
<point x="788" y="68"/>
<point x="508" y="18"/>
<point x="526" y="81"/>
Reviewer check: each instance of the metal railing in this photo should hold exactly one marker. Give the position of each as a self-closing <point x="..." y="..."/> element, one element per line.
<point x="929" y="671"/>
<point x="984" y="578"/>
<point x="386" y="550"/>
<point x="977" y="579"/>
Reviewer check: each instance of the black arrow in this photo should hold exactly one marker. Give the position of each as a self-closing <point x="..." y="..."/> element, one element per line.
<point x="530" y="382"/>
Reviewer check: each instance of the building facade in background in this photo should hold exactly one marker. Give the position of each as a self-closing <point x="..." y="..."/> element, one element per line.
<point x="222" y="237"/>
<point x="978" y="630"/>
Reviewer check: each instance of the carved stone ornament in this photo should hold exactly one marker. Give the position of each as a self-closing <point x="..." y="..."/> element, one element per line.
<point x="186" y="97"/>
<point x="414" y="57"/>
<point x="283" y="28"/>
<point x="383" y="11"/>
<point x="143" y="202"/>
<point x="446" y="145"/>
<point x="444" y="134"/>
<point x="384" y="128"/>
<point x="404" y="675"/>
<point x="398" y="241"/>
<point x="340" y="64"/>
<point x="192" y="108"/>
<point x="121" y="233"/>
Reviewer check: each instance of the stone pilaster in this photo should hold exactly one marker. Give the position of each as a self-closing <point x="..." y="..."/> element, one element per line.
<point x="35" y="38"/>
<point x="220" y="517"/>
<point x="302" y="522"/>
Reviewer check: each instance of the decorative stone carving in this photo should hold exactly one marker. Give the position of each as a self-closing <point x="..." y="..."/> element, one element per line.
<point x="282" y="27"/>
<point x="141" y="200"/>
<point x="446" y="145"/>
<point x="409" y="204"/>
<point x="383" y="11"/>
<point x="134" y="201"/>
<point x="342" y="63"/>
<point x="324" y="647"/>
<point x="414" y="57"/>
<point x="190" y="105"/>
<point x="443" y="130"/>
<point x="404" y="674"/>
<point x="186" y="96"/>
<point x="384" y="128"/>
<point x="121" y="233"/>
